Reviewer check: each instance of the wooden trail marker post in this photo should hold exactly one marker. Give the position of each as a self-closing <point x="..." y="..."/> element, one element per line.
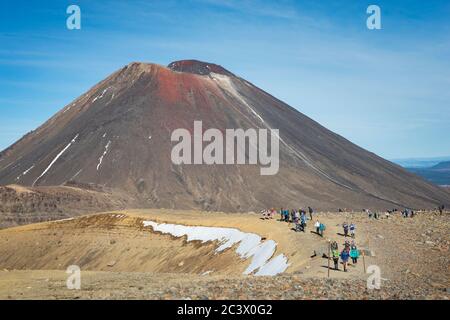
<point x="329" y="253"/>
<point x="364" y="261"/>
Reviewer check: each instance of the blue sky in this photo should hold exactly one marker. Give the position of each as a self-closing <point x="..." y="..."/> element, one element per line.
<point x="385" y="90"/>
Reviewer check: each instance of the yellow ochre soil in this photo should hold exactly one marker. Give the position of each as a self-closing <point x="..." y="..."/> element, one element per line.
<point x="120" y="259"/>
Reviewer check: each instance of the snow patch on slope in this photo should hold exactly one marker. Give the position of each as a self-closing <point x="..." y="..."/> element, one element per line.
<point x="101" y="95"/>
<point x="100" y="160"/>
<point x="25" y="172"/>
<point x="226" y="83"/>
<point x="250" y="245"/>
<point x="55" y="159"/>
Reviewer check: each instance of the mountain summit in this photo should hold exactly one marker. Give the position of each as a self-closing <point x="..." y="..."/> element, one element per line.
<point x="118" y="135"/>
<point x="198" y="67"/>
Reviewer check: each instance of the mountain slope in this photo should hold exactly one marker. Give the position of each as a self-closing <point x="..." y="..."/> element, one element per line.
<point x="118" y="135"/>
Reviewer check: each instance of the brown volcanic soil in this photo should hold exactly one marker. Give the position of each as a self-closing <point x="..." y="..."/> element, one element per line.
<point x="121" y="260"/>
<point x="118" y="135"/>
<point x="22" y="205"/>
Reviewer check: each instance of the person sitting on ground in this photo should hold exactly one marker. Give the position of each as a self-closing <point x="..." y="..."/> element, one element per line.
<point x="301" y="225"/>
<point x="352" y="229"/>
<point x="344" y="257"/>
<point x="345" y="227"/>
<point x="264" y="213"/>
<point x="273" y="213"/>
<point x="354" y="253"/>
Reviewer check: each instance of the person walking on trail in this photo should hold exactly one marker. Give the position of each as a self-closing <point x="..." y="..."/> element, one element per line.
<point x="303" y="216"/>
<point x="303" y="220"/>
<point x="296" y="216"/>
<point x="321" y="229"/>
<point x="354" y="253"/>
<point x="311" y="211"/>
<point x="344" y="257"/>
<point x="334" y="245"/>
<point x="347" y="246"/>
<point x="317" y="226"/>
<point x="293" y="211"/>
<point x="352" y="230"/>
<point x="335" y="256"/>
<point x="286" y="215"/>
<point x="345" y="226"/>
<point x="281" y="214"/>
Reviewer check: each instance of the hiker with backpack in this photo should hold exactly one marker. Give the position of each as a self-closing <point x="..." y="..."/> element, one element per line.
<point x="293" y="212"/>
<point x="352" y="230"/>
<point x="311" y="211"/>
<point x="344" y="257"/>
<point x="303" y="220"/>
<point x="335" y="256"/>
<point x="334" y="245"/>
<point x="317" y="226"/>
<point x="321" y="229"/>
<point x="345" y="227"/>
<point x="296" y="217"/>
<point x="354" y="253"/>
<point x="286" y="215"/>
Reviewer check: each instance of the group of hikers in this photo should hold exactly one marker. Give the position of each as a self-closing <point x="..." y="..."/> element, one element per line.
<point x="350" y="251"/>
<point x="300" y="217"/>
<point x="406" y="213"/>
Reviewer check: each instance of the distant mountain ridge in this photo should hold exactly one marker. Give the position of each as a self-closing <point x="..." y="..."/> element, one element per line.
<point x="438" y="174"/>
<point x="420" y="162"/>
<point x="442" y="166"/>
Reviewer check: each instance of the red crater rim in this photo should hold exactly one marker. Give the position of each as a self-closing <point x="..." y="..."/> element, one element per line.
<point x="198" y="67"/>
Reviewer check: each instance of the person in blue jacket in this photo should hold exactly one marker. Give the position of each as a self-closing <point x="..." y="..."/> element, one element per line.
<point x="345" y="255"/>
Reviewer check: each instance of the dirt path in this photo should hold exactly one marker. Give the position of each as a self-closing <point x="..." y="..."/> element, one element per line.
<point x="119" y="258"/>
